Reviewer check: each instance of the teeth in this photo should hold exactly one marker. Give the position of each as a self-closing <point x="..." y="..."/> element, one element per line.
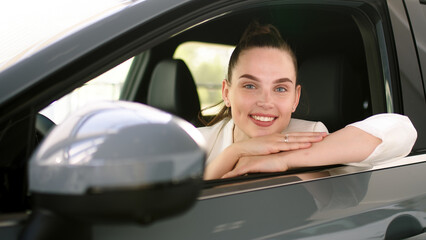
<point x="262" y="119"/>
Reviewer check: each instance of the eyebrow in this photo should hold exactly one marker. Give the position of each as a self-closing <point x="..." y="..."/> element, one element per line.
<point x="280" y="80"/>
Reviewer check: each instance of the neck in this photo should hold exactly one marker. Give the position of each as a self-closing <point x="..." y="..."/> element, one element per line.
<point x="238" y="135"/>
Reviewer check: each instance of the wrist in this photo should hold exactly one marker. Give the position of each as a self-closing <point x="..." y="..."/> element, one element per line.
<point x="236" y="151"/>
<point x="224" y="163"/>
<point x="293" y="159"/>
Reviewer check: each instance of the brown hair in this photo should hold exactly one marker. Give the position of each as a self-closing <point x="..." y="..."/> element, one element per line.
<point x="255" y="35"/>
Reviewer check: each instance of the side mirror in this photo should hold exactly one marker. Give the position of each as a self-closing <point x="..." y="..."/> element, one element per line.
<point x="117" y="162"/>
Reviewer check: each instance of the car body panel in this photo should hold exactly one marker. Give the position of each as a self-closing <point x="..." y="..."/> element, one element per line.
<point x="28" y="39"/>
<point x="411" y="85"/>
<point x="61" y="53"/>
<point x="417" y="12"/>
<point x="338" y="206"/>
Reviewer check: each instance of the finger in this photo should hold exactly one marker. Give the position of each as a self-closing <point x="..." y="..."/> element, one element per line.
<point x="282" y="147"/>
<point x="292" y="139"/>
<point x="236" y="172"/>
<point x="310" y="137"/>
<point x="243" y="166"/>
<point x="302" y="134"/>
<point x="294" y="146"/>
<point x="233" y="173"/>
<point x="230" y="174"/>
<point x="256" y="166"/>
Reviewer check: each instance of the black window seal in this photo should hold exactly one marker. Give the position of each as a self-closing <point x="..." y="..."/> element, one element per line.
<point x="256" y="176"/>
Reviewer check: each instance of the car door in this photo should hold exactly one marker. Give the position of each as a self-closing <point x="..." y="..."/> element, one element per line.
<point x="330" y="202"/>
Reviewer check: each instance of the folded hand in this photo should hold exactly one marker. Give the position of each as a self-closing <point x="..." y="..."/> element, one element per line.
<point x="253" y="164"/>
<point x="277" y="142"/>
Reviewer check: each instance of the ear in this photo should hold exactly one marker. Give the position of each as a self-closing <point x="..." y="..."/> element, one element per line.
<point x="297" y="97"/>
<point x="225" y="92"/>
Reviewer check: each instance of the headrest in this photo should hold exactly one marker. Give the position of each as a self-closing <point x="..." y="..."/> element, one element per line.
<point x="173" y="90"/>
<point x="332" y="92"/>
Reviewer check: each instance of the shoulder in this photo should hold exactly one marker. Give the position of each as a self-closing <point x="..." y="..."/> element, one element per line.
<point x="299" y="125"/>
<point x="386" y="124"/>
<point x="218" y="137"/>
<point x="213" y="131"/>
<point x="397" y="133"/>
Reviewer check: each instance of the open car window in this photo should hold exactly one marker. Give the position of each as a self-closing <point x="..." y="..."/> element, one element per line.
<point x="107" y="86"/>
<point x="342" y="82"/>
<point x="341" y="70"/>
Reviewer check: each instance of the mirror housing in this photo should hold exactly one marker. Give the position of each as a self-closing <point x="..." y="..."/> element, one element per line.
<point x="118" y="162"/>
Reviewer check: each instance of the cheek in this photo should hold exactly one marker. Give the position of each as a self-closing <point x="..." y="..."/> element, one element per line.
<point x="242" y="103"/>
<point x="285" y="105"/>
<point x="245" y="102"/>
<point x="238" y="107"/>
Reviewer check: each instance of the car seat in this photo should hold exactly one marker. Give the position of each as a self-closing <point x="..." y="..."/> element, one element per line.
<point x="332" y="91"/>
<point x="173" y="90"/>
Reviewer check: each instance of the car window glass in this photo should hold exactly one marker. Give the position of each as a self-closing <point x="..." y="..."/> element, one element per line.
<point x="417" y="15"/>
<point x="208" y="65"/>
<point x="104" y="87"/>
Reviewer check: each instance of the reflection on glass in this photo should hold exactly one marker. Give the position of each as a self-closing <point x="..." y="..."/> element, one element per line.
<point x="104" y="87"/>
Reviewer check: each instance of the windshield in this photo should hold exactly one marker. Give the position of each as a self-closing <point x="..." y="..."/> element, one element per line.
<point x="33" y="25"/>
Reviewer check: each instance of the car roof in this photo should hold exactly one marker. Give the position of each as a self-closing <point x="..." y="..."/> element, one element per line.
<point x="70" y="45"/>
<point x="41" y="23"/>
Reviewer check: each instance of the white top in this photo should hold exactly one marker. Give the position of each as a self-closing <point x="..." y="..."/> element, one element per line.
<point x="396" y="131"/>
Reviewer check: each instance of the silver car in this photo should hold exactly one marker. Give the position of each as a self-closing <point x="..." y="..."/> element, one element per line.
<point x="129" y="164"/>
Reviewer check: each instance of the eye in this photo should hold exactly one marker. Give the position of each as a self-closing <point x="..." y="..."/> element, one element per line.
<point x="249" y="86"/>
<point x="280" y="89"/>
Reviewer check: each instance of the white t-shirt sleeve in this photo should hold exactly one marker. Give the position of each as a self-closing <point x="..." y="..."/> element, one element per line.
<point x="218" y="137"/>
<point x="320" y="127"/>
<point x="397" y="133"/>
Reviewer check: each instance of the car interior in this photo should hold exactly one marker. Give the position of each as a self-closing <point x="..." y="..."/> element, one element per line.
<point x="330" y="44"/>
<point x="334" y="46"/>
<point x="331" y="56"/>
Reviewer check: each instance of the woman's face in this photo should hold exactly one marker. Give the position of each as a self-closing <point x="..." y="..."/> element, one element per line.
<point x="263" y="92"/>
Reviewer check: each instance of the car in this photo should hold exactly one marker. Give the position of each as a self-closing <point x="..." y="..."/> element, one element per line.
<point x="161" y="64"/>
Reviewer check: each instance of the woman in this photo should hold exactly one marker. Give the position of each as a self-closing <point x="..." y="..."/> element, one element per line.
<point x="254" y="132"/>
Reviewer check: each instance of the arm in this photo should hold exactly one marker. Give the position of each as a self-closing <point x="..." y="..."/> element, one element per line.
<point x="377" y="139"/>
<point x="397" y="133"/>
<point x="259" y="146"/>
<point x="222" y="164"/>
<point x="349" y="144"/>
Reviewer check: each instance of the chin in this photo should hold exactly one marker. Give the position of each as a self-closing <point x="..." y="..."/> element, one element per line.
<point x="263" y="133"/>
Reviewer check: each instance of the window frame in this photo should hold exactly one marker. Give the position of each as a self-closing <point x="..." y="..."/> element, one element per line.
<point x="375" y="29"/>
<point x="384" y="90"/>
<point x="407" y="71"/>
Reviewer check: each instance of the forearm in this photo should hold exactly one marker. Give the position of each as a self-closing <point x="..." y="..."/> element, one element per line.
<point x="222" y="164"/>
<point x="369" y="142"/>
<point x="259" y="146"/>
<point x="347" y="145"/>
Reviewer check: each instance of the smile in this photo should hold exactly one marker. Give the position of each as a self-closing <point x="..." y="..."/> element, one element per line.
<point x="262" y="118"/>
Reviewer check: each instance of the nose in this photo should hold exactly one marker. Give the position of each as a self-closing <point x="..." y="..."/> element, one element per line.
<point x="264" y="100"/>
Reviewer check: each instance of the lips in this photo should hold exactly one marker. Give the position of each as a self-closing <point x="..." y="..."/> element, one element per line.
<point x="262" y="120"/>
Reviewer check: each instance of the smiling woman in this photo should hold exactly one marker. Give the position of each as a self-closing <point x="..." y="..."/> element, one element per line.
<point x="255" y="131"/>
<point x="264" y="78"/>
